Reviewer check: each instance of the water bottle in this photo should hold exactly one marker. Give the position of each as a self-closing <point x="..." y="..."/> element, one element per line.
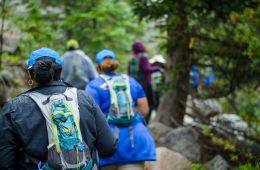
<point x="122" y="102"/>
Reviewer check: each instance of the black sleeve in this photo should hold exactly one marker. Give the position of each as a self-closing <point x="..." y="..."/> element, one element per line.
<point x="105" y="141"/>
<point x="8" y="142"/>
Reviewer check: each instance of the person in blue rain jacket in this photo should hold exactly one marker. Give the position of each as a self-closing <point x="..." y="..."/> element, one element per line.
<point x="143" y="149"/>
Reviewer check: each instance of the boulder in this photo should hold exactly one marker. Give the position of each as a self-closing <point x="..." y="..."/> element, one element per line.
<point x="217" y="163"/>
<point x="184" y="140"/>
<point x="159" y="131"/>
<point x="232" y="121"/>
<point x="204" y="107"/>
<point x="11" y="37"/>
<point x="168" y="160"/>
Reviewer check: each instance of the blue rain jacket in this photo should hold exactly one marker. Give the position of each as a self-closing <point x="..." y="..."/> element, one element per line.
<point x="144" y="149"/>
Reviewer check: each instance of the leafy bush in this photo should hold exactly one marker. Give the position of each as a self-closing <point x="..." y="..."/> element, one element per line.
<point x="197" y="167"/>
<point x="248" y="167"/>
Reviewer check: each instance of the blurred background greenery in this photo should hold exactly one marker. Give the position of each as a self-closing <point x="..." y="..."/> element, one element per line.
<point x="219" y="34"/>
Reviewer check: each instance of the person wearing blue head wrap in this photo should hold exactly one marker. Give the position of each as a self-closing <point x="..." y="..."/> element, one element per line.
<point x="114" y="91"/>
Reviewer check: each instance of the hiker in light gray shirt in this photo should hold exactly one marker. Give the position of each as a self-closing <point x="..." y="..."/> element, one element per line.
<point x="78" y="69"/>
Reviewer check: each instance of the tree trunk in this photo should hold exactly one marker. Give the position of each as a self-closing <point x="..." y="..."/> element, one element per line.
<point x="172" y="107"/>
<point x="2" y="33"/>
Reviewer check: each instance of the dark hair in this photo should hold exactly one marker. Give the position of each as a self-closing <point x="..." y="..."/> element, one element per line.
<point x="45" y="70"/>
<point x="71" y="48"/>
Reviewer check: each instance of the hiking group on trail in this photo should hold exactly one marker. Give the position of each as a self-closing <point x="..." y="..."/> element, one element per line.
<point x="71" y="118"/>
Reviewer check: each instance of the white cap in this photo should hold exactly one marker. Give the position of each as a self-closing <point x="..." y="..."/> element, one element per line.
<point x="157" y="58"/>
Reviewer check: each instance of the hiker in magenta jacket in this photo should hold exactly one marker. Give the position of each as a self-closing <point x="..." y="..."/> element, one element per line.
<point x="143" y="148"/>
<point x="144" y="73"/>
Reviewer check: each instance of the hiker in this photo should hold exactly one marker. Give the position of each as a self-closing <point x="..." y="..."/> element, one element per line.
<point x="78" y="68"/>
<point x="123" y="101"/>
<point x="201" y="78"/>
<point x="209" y="77"/>
<point x="194" y="76"/>
<point x="140" y="68"/>
<point x="52" y="125"/>
<point x="157" y="78"/>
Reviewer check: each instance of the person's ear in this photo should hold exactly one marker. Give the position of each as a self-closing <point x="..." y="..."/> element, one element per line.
<point x="30" y="81"/>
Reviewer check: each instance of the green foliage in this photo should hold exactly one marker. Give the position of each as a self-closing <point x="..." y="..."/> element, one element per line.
<point x="222" y="35"/>
<point x="95" y="24"/>
<point x="107" y="28"/>
<point x="227" y="145"/>
<point x="217" y="34"/>
<point x="248" y="166"/>
<point x="247" y="105"/>
<point x="197" y="167"/>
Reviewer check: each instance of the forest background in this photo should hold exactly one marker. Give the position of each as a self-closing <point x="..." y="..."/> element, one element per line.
<point x="219" y="34"/>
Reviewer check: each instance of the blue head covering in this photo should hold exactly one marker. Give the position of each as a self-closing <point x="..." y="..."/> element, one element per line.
<point x="43" y="52"/>
<point x="103" y="54"/>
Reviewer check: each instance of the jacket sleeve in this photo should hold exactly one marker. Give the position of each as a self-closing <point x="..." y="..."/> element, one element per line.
<point x="65" y="68"/>
<point x="147" y="67"/>
<point x="93" y="92"/>
<point x="90" y="69"/>
<point x="8" y="143"/>
<point x="105" y="141"/>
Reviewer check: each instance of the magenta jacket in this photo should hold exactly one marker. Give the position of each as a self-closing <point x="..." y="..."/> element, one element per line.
<point x="146" y="68"/>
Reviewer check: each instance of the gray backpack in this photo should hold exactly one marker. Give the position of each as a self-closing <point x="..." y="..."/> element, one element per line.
<point x="66" y="149"/>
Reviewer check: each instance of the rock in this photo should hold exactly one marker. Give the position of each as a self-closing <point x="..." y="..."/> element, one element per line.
<point x="168" y="160"/>
<point x="159" y="131"/>
<point x="184" y="140"/>
<point x="205" y="107"/>
<point x="188" y="120"/>
<point x="232" y="120"/>
<point x="8" y="77"/>
<point x="217" y="163"/>
<point x="11" y="37"/>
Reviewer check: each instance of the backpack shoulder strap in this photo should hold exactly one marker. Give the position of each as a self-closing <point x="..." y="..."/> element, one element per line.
<point x="40" y="99"/>
<point x="127" y="81"/>
<point x="109" y="82"/>
<point x="71" y="93"/>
